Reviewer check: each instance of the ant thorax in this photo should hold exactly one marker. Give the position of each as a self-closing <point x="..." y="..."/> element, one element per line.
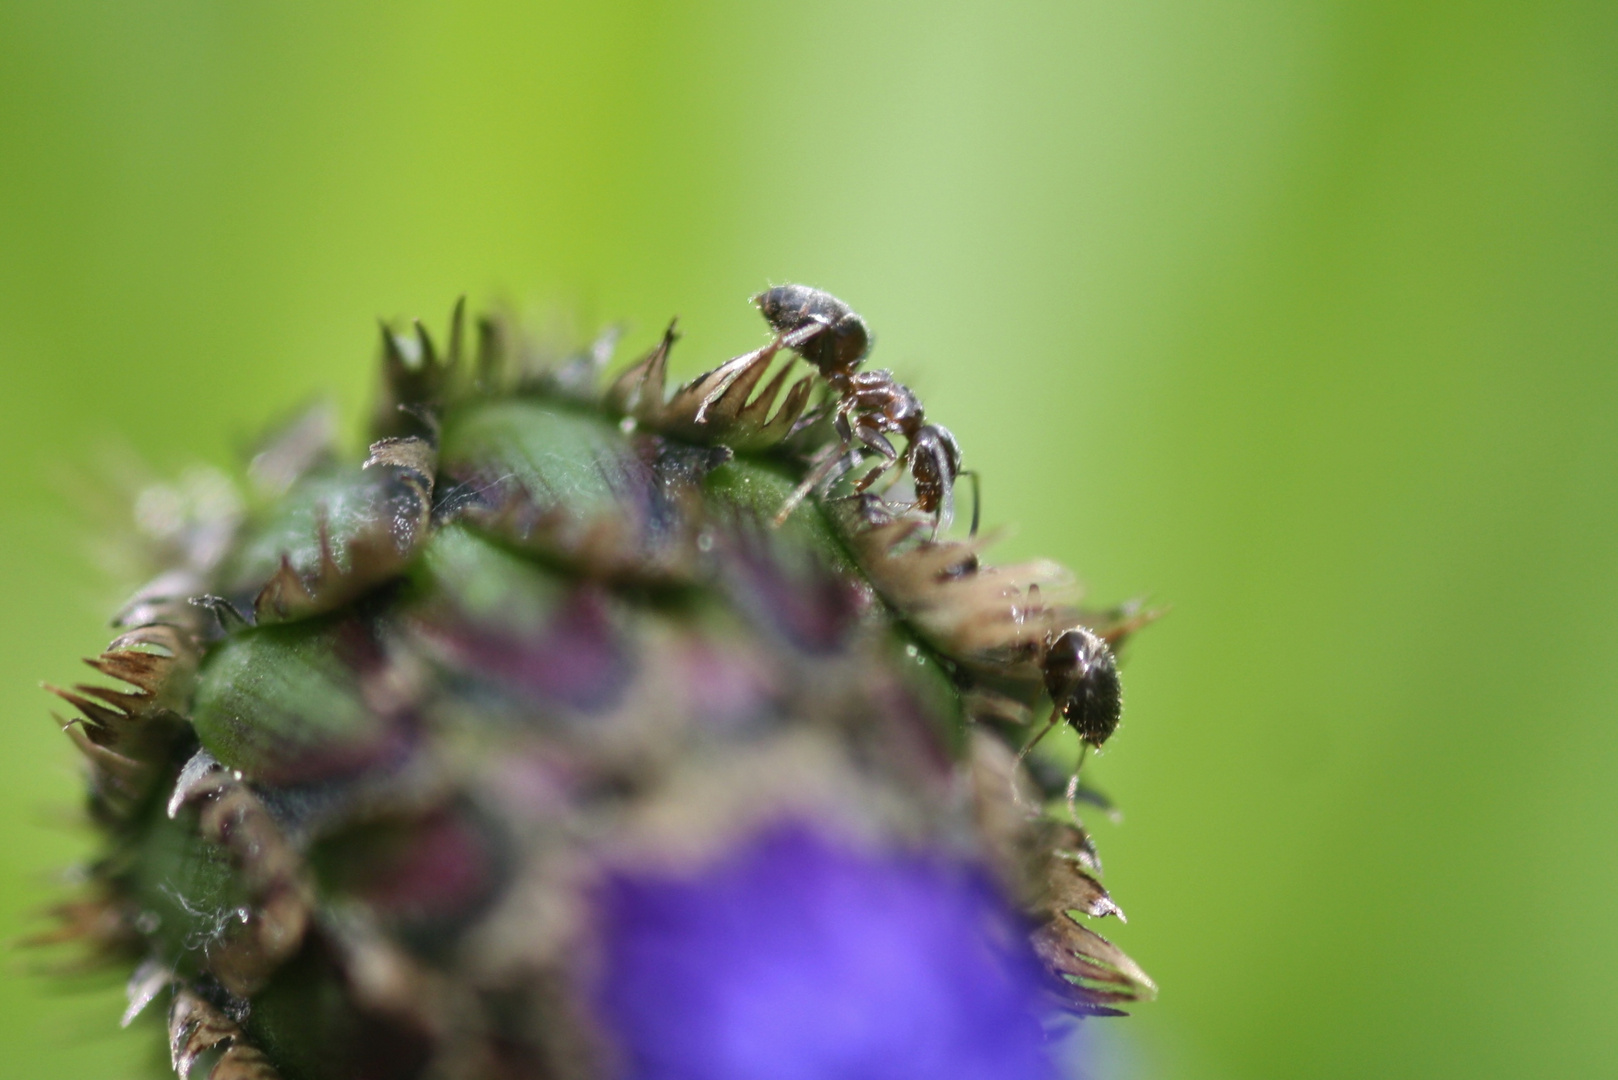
<point x="877" y="394"/>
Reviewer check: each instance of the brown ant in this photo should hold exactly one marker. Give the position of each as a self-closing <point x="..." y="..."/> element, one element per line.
<point x="871" y="406"/>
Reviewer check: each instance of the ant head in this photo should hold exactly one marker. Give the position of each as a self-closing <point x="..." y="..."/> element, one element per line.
<point x="1081" y="676"/>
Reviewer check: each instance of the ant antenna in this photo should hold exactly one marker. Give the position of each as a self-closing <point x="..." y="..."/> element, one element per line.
<point x="1073" y="785"/>
<point x="976" y="499"/>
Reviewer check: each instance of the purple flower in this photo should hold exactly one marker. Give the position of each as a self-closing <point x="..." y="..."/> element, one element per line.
<point x="793" y="958"/>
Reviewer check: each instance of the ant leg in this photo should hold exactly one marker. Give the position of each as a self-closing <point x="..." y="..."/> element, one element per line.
<point x="1073" y="786"/>
<point x="828" y="469"/>
<point x="845" y="429"/>
<point x="1056" y="716"/>
<point x="811" y="416"/>
<point x="863" y="484"/>
<point x="871" y="438"/>
<point x="885" y="465"/>
<point x="828" y="405"/>
<point x="803" y="335"/>
<point x="869" y="434"/>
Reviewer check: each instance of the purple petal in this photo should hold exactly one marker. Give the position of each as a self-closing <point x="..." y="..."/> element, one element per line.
<point x="796" y="959"/>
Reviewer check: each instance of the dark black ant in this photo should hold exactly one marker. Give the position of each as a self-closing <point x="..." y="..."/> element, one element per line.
<point x="871" y="406"/>
<point x="1081" y="677"/>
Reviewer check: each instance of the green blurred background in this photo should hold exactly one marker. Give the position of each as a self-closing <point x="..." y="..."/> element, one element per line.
<point x="1298" y="316"/>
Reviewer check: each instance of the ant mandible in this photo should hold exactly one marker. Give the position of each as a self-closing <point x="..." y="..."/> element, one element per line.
<point x="871" y="406"/>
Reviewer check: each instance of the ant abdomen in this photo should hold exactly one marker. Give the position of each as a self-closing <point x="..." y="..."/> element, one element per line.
<point x="794" y="309"/>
